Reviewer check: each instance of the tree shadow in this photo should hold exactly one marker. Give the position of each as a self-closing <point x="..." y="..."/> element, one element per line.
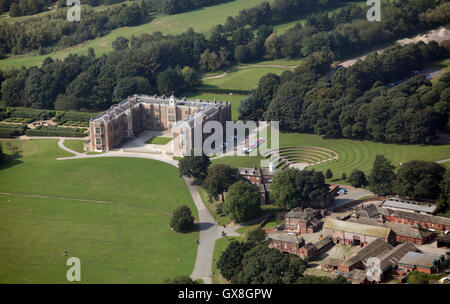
<point x="10" y="160"/>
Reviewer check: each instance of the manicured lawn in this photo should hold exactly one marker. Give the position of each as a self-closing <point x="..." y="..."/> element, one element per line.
<point x="76" y="145"/>
<point x="353" y="154"/>
<point x="220" y="246"/>
<point x="159" y="140"/>
<point x="242" y="79"/>
<point x="201" y="20"/>
<point x="234" y="99"/>
<point x="124" y="239"/>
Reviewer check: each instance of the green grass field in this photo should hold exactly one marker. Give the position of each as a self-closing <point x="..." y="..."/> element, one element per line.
<point x="201" y="20"/>
<point x="159" y="140"/>
<point x="242" y="79"/>
<point x="353" y="154"/>
<point x="123" y="239"/>
<point x="76" y="145"/>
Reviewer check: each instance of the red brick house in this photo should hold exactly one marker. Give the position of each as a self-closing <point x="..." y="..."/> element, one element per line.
<point x="286" y="243"/>
<point x="303" y="221"/>
<point x="423" y="220"/>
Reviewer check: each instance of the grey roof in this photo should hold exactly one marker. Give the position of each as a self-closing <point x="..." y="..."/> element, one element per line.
<point x="420" y="217"/>
<point x="357" y="228"/>
<point x="286" y="238"/>
<point x="374" y="249"/>
<point x="396" y="202"/>
<point x="391" y="258"/>
<point x="418" y="259"/>
<point x="412" y="231"/>
<point x="323" y="243"/>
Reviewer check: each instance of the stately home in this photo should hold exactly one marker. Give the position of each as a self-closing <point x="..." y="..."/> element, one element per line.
<point x="141" y="112"/>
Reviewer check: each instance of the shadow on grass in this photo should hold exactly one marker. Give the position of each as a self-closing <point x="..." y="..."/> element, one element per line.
<point x="10" y="160"/>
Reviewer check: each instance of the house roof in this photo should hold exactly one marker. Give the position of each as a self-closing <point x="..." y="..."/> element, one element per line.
<point x="411" y="231"/>
<point x="332" y="262"/>
<point x="286" y="238"/>
<point x="323" y="243"/>
<point x="357" y="228"/>
<point x="444" y="238"/>
<point x="420" y="217"/>
<point x="418" y="259"/>
<point x="374" y="249"/>
<point x="391" y="258"/>
<point x="396" y="202"/>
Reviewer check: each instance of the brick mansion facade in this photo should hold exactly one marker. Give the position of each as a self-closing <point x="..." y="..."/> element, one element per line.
<point x="141" y="112"/>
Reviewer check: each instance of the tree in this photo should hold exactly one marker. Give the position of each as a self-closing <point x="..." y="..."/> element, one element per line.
<point x="419" y="179"/>
<point x="182" y="219"/>
<point x="231" y="258"/>
<point x="121" y="43"/>
<point x="381" y="176"/>
<point x="357" y="178"/>
<point x="263" y="265"/>
<point x="67" y="103"/>
<point x="2" y="155"/>
<point x="185" y="279"/>
<point x="293" y="188"/>
<point x="195" y="167"/>
<point x="344" y="176"/>
<point x="170" y="82"/>
<point x="220" y="178"/>
<point x="256" y="235"/>
<point x="243" y="201"/>
<point x="328" y="174"/>
<point x="443" y="203"/>
<point x="242" y="53"/>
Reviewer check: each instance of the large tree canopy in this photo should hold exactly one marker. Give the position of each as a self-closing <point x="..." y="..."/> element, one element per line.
<point x="194" y="166"/>
<point x="382" y="176"/>
<point x="293" y="188"/>
<point x="419" y="179"/>
<point x="242" y="201"/>
<point x="220" y="178"/>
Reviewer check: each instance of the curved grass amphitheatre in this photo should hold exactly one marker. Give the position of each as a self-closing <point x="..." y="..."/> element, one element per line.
<point x="306" y="155"/>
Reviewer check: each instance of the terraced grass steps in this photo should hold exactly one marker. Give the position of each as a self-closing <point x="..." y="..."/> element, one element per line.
<point x="285" y="156"/>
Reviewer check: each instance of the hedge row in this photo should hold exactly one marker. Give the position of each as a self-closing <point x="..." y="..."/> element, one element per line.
<point x="74" y="116"/>
<point x="13" y="126"/>
<point x="44" y="132"/>
<point x="60" y="129"/>
<point x="9" y="133"/>
<point x="32" y="113"/>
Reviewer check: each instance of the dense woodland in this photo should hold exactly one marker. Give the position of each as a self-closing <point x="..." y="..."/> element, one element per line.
<point x="358" y="102"/>
<point x="17" y="8"/>
<point x="50" y="32"/>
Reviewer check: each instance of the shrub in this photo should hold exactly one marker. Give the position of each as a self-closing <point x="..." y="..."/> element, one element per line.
<point x="182" y="219"/>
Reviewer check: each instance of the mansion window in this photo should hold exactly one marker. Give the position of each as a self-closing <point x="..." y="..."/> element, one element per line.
<point x="172" y="118"/>
<point x="98" y="141"/>
<point x="98" y="130"/>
